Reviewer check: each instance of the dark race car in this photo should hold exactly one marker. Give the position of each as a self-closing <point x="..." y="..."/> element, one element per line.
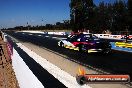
<point x="86" y="42"/>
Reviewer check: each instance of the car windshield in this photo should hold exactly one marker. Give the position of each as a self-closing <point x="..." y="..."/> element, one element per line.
<point x="90" y="37"/>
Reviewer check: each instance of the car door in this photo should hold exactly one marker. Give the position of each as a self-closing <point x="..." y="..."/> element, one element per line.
<point x="70" y="40"/>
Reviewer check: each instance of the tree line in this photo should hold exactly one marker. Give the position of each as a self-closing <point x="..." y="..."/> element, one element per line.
<point x="65" y="25"/>
<point x="115" y="17"/>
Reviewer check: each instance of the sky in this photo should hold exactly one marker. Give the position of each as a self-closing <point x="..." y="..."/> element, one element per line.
<point x="35" y="12"/>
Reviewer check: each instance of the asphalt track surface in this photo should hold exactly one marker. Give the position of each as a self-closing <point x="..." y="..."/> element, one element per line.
<point x="116" y="63"/>
<point x="43" y="75"/>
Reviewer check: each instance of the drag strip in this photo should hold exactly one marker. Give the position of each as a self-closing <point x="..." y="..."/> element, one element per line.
<point x="116" y="63"/>
<point x="43" y="75"/>
<point x="20" y="67"/>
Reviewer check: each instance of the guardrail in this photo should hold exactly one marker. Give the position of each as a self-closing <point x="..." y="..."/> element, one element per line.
<point x="5" y="50"/>
<point x="7" y="74"/>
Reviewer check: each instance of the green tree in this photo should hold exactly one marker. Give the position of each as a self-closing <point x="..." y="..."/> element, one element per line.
<point x="120" y="11"/>
<point x="129" y="17"/>
<point x="80" y="12"/>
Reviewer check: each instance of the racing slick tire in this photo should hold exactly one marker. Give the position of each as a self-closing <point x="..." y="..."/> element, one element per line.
<point x="82" y="48"/>
<point x="81" y="80"/>
<point x="61" y="44"/>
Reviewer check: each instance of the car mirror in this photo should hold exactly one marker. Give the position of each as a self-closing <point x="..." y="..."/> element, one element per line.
<point x="78" y="39"/>
<point x="68" y="39"/>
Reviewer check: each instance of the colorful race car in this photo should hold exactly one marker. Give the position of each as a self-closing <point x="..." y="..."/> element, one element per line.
<point x="86" y="42"/>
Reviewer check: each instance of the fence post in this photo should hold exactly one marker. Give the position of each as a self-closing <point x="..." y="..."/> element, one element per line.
<point x="5" y="56"/>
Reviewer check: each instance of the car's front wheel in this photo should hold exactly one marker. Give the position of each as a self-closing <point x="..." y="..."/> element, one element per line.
<point x="61" y="44"/>
<point x="82" y="48"/>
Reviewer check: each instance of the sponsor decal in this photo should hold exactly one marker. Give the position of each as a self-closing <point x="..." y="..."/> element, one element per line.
<point x="83" y="78"/>
<point x="123" y="44"/>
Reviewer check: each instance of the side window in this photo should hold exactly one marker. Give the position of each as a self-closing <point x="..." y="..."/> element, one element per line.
<point x="70" y="38"/>
<point x="73" y="38"/>
<point x="87" y="37"/>
<point x="82" y="38"/>
<point x="78" y="39"/>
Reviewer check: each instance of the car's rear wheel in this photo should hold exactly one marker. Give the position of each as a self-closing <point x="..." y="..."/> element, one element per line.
<point x="82" y="48"/>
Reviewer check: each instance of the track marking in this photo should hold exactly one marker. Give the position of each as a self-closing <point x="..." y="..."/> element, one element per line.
<point x="54" y="37"/>
<point x="68" y="80"/>
<point x="47" y="36"/>
<point x="39" y="35"/>
<point x="25" y="77"/>
<point x="58" y="38"/>
<point x="30" y="34"/>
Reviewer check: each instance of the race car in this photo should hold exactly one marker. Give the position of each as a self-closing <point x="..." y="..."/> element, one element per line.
<point x="86" y="43"/>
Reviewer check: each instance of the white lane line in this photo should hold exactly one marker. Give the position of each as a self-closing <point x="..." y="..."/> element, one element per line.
<point x="64" y="77"/>
<point x="39" y="35"/>
<point x="24" y="75"/>
<point x="61" y="38"/>
<point x="54" y="37"/>
<point x="33" y="32"/>
<point x="46" y="36"/>
<point x="57" y="38"/>
<point x="30" y="34"/>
